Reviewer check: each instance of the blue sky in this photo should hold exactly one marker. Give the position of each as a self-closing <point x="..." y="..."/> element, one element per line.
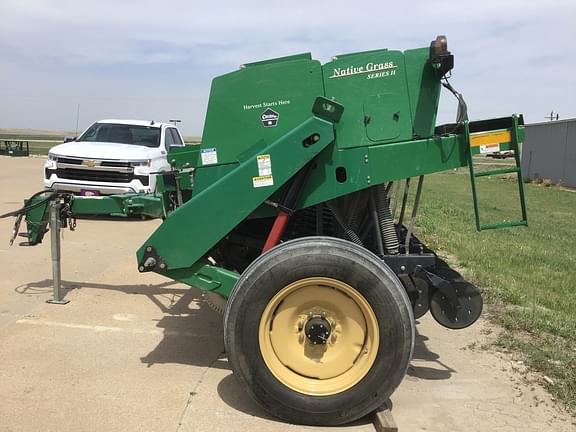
<point x="138" y="59"/>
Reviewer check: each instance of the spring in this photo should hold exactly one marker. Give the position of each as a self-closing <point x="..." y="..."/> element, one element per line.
<point x="348" y="232"/>
<point x="386" y="221"/>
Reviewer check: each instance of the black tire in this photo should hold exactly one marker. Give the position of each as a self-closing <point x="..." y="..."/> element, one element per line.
<point x="331" y="258"/>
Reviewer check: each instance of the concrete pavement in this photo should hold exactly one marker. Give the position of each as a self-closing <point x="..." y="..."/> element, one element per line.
<point x="136" y="352"/>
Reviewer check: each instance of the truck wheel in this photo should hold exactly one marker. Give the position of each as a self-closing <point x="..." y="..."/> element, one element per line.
<point x="319" y="331"/>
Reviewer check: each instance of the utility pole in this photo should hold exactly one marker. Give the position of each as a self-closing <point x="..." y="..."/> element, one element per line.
<point x="77" y="118"/>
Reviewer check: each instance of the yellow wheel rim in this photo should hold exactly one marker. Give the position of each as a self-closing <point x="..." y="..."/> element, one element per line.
<point x="325" y="368"/>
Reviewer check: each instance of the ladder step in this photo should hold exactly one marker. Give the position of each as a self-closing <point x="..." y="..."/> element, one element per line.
<point x="507" y="224"/>
<point x="497" y="172"/>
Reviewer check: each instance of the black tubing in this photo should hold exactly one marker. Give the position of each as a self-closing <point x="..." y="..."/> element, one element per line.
<point x="26" y="209"/>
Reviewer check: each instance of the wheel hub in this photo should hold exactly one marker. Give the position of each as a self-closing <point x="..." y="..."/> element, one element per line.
<point x="318" y="336"/>
<point x="318" y="330"/>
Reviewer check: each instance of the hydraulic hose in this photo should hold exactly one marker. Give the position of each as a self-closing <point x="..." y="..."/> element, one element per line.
<point x="386" y="221"/>
<point x="462" y="114"/>
<point x="26" y="209"/>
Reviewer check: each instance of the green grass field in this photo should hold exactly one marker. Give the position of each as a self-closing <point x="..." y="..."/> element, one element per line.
<point x="527" y="274"/>
<point x="39" y="142"/>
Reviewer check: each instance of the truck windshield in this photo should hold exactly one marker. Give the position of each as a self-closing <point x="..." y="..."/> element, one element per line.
<point x="122" y="133"/>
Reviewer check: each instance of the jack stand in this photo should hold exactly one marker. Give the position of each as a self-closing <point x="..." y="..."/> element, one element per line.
<point x="55" y="226"/>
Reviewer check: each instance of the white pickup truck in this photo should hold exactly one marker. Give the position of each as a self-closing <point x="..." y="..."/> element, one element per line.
<point x="112" y="157"/>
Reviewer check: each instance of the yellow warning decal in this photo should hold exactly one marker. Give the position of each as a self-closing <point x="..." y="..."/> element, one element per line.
<point x="261" y="181"/>
<point x="490" y="138"/>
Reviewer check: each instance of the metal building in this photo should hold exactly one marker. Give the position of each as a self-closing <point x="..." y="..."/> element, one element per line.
<point x="549" y="151"/>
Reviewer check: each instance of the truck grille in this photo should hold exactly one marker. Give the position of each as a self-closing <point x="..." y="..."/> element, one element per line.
<point x="99" y="176"/>
<point x="70" y="161"/>
<point x="115" y="164"/>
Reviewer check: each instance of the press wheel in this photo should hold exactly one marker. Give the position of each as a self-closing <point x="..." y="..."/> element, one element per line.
<point x="469" y="307"/>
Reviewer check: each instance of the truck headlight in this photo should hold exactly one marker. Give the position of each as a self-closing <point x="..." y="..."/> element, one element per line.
<point x="52" y="157"/>
<point x="51" y="162"/>
<point x="142" y="163"/>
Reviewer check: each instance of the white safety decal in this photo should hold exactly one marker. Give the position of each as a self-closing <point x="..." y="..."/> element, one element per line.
<point x="264" y="165"/>
<point x="209" y="156"/>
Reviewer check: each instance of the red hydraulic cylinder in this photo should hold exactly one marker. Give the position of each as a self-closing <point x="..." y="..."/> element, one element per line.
<point x="276" y="231"/>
